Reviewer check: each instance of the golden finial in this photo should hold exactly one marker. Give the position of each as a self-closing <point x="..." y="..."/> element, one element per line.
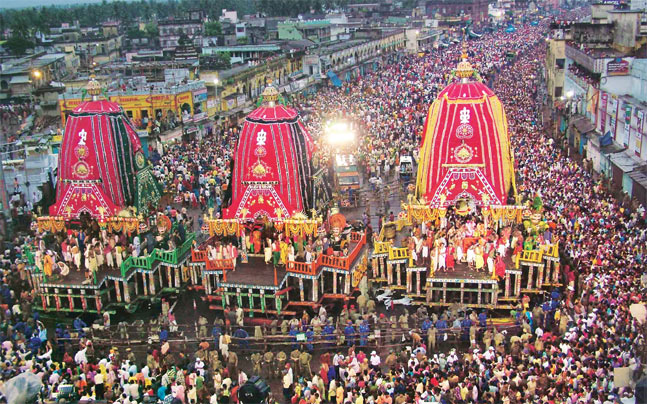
<point x="270" y="94"/>
<point x="94" y="87"/>
<point x="464" y="69"/>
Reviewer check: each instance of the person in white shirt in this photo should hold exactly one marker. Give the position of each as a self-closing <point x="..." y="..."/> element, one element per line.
<point x="375" y="360"/>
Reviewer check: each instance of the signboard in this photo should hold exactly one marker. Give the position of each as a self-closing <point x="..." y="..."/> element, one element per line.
<point x="603" y="111"/>
<point x="640" y="115"/>
<point x="618" y="67"/>
<point x="240" y="100"/>
<point x="301" y="337"/>
<point x="199" y="116"/>
<point x="200" y="95"/>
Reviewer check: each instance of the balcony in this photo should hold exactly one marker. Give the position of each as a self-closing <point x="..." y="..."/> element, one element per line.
<point x="577" y="80"/>
<point x="591" y="63"/>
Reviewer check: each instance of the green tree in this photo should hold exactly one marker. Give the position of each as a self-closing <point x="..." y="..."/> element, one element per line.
<point x="212" y="28"/>
<point x="152" y="30"/>
<point x="243" y="40"/>
<point x="135" y="32"/>
<point x="18" y="45"/>
<point x="184" y="39"/>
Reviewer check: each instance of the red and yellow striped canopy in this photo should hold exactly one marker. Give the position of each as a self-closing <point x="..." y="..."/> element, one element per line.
<point x="465" y="152"/>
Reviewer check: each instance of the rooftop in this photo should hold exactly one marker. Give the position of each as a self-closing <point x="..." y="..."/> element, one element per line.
<point x="597" y="53"/>
<point x="25" y="64"/>
<point x="247" y="48"/>
<point x="305" y="23"/>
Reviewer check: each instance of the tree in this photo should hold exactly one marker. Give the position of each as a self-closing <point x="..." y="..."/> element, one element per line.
<point x="135" y="32"/>
<point x="212" y="28"/>
<point x="243" y="40"/>
<point x="184" y="39"/>
<point x="18" y="45"/>
<point x="152" y="30"/>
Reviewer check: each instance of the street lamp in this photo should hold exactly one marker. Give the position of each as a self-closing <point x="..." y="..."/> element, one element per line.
<point x="37" y="74"/>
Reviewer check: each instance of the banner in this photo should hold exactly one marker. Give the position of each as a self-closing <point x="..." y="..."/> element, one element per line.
<point x="627" y="122"/>
<point x="603" y="111"/>
<point x="640" y="115"/>
<point x="618" y="67"/>
<point x="637" y="143"/>
<point x="627" y="113"/>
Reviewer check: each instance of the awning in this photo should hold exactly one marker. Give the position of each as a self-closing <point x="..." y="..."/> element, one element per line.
<point x="334" y="79"/>
<point x="640" y="176"/>
<point x="170" y="135"/>
<point x="19" y="80"/>
<point x="604" y="143"/>
<point x="583" y="125"/>
<point x="626" y="161"/>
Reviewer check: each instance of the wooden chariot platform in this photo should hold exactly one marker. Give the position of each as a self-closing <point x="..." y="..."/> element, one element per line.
<point x="138" y="279"/>
<point x="260" y="289"/>
<point x="532" y="271"/>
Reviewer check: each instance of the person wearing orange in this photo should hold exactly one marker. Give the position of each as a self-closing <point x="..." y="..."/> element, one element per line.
<point x="499" y="268"/>
<point x="48" y="263"/>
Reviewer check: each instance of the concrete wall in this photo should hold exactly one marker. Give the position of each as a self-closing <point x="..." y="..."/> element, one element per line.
<point x="627" y="26"/>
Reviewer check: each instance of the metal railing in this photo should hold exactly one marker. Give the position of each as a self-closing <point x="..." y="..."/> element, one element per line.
<point x="168" y="257"/>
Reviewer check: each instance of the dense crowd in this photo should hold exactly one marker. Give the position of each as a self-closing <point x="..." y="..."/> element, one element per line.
<point x="197" y="173"/>
<point x="568" y="344"/>
<point x="584" y="75"/>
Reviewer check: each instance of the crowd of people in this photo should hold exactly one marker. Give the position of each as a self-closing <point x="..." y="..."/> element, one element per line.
<point x="584" y="75"/>
<point x="92" y="248"/>
<point x="567" y="346"/>
<point x="196" y="174"/>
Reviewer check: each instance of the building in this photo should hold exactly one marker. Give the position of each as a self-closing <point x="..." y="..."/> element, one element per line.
<point x="29" y="164"/>
<point x="172" y="29"/>
<point x="23" y="76"/>
<point x="228" y="16"/>
<point x="347" y="59"/>
<point x="171" y="105"/>
<point x="476" y="10"/>
<point x="600" y="110"/>
<point x="92" y="49"/>
<point x="420" y="39"/>
<point x="314" y="30"/>
<point x="237" y="89"/>
<point x="555" y="62"/>
<point x="243" y="53"/>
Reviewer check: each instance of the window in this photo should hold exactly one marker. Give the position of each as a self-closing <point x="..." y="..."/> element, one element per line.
<point x="559" y="63"/>
<point x="558" y="92"/>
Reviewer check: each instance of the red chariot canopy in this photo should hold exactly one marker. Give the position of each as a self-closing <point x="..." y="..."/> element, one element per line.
<point x="101" y="167"/>
<point x="272" y="170"/>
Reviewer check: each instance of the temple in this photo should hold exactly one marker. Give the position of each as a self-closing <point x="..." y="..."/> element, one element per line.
<point x="465" y="154"/>
<point x="102" y="167"/>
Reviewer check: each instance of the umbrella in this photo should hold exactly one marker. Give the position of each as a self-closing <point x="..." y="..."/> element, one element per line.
<point x="22" y="388"/>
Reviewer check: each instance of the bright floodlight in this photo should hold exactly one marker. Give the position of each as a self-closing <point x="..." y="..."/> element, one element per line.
<point x="339" y="133"/>
<point x="569" y="94"/>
